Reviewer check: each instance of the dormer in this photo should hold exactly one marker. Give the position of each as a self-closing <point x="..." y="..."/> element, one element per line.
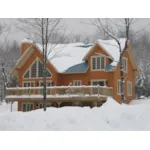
<point x="97" y="58"/>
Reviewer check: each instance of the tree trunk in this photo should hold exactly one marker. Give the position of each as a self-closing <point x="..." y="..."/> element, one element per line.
<point x="121" y="75"/>
<point x="122" y="80"/>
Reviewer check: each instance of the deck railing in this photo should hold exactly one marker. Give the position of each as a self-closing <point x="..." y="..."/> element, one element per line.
<point x="61" y="90"/>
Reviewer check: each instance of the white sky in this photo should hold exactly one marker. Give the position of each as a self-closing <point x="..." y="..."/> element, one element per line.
<point x="75" y="25"/>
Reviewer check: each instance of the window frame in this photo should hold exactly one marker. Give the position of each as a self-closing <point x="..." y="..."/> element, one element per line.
<point x="119" y="90"/>
<point x="125" y="60"/>
<point x="128" y="92"/>
<point x="30" y="103"/>
<point x="28" y="82"/>
<point x="96" y="57"/>
<point x="37" y="60"/>
<point x="77" y="81"/>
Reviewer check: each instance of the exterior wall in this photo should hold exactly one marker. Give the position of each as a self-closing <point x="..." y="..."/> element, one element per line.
<point x="55" y="76"/>
<point x="90" y="75"/>
<point x="33" y="57"/>
<point x="129" y="76"/>
<point x="64" y="79"/>
<point x="24" y="47"/>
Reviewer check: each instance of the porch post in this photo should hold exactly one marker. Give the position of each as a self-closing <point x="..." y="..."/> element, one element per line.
<point x="11" y="106"/>
<point x="58" y="103"/>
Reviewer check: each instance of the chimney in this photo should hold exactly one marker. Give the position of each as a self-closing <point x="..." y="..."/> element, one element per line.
<point x="24" y="46"/>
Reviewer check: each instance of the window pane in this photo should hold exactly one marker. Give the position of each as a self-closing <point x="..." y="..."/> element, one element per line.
<point x="102" y="62"/>
<point x="47" y="73"/>
<point x="33" y="70"/>
<point x="49" y="83"/>
<point x="24" y="107"/>
<point x="32" y="84"/>
<point x="119" y="87"/>
<point x="40" y="69"/>
<point x="28" y="107"/>
<point x="98" y="63"/>
<point x="77" y="83"/>
<point x="25" y="85"/>
<point x="93" y="63"/>
<point x="41" y="105"/>
<point x="129" y="88"/>
<point x="101" y="83"/>
<point x="27" y="74"/>
<point x="124" y="64"/>
<point x="48" y="105"/>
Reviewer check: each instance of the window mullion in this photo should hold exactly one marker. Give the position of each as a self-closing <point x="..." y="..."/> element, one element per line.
<point x="100" y="62"/>
<point x="96" y="63"/>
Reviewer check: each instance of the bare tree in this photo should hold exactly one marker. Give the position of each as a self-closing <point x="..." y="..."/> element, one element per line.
<point x="111" y="27"/>
<point x="44" y="31"/>
<point x="8" y="59"/>
<point x="4" y="32"/>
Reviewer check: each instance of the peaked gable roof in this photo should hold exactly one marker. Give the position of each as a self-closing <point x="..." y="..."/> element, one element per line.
<point x="111" y="48"/>
<point x="71" y="58"/>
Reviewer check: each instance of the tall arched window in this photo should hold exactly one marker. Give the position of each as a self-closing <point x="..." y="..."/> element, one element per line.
<point x="36" y="70"/>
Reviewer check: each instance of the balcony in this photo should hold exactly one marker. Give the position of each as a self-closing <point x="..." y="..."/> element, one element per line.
<point x="60" y="93"/>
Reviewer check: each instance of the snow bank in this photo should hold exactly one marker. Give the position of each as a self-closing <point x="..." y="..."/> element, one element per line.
<point x="111" y="116"/>
<point x="4" y="107"/>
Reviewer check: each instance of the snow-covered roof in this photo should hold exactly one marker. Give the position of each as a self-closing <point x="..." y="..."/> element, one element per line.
<point x="112" y="48"/>
<point x="69" y="57"/>
<point x="65" y="56"/>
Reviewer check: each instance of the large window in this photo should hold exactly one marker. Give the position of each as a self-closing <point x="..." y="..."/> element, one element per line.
<point x="124" y="63"/>
<point x="98" y="62"/>
<point x="27" y="107"/>
<point x="129" y="88"/>
<point x="36" y="70"/>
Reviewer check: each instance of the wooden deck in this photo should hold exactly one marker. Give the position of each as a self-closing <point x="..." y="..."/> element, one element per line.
<point x="60" y="93"/>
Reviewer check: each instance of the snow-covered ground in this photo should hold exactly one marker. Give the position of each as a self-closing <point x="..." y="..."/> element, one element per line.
<point x="111" y="116"/>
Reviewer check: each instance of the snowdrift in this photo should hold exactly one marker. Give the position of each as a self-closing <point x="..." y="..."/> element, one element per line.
<point x="111" y="116"/>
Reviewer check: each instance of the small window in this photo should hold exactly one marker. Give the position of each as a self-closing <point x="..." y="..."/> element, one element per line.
<point x="129" y="88"/>
<point x="119" y="87"/>
<point x="28" y="84"/>
<point x="124" y="64"/>
<point x="77" y="82"/>
<point x="98" y="63"/>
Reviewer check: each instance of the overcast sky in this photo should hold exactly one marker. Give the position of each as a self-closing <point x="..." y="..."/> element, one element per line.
<point x="75" y="25"/>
